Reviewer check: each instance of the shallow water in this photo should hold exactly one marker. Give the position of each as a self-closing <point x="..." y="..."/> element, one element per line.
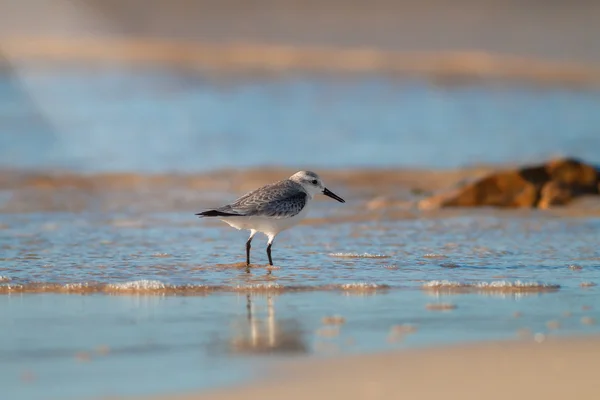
<point x="157" y="121"/>
<point x="178" y="252"/>
<point x="64" y="346"/>
<point x="163" y="297"/>
<point x="122" y="290"/>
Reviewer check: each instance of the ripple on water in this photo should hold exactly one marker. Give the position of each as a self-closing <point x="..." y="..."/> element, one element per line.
<point x="358" y="286"/>
<point x="154" y="286"/>
<point x="140" y="285"/>
<point x="358" y="255"/>
<point x="494" y="286"/>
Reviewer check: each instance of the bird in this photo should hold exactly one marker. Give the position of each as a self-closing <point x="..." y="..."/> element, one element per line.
<point x="272" y="208"/>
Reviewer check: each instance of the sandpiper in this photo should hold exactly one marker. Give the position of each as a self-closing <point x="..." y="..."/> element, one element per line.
<point x="272" y="208"/>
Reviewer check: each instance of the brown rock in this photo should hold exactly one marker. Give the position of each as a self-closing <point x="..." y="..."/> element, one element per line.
<point x="503" y="189"/>
<point x="555" y="194"/>
<point x="438" y="200"/>
<point x="572" y="173"/>
<point x="552" y="184"/>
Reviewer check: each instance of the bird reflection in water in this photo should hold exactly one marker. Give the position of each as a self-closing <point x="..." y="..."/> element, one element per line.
<point x="260" y="335"/>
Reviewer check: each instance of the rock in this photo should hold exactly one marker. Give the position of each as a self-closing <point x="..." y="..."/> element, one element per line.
<point x="437" y="201"/>
<point x="580" y="177"/>
<point x="555" y="183"/>
<point x="502" y="189"/>
<point x="555" y="194"/>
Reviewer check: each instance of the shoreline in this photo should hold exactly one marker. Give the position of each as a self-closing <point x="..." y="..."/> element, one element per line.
<point x="234" y="57"/>
<point x="546" y="367"/>
<point x="154" y="287"/>
<point x="393" y="193"/>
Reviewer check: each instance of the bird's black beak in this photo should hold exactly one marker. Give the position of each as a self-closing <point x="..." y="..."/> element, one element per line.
<point x="329" y="193"/>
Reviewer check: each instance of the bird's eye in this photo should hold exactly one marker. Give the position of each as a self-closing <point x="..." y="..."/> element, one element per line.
<point x="314" y="182"/>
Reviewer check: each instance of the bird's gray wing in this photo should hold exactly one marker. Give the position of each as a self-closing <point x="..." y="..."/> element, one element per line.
<point x="283" y="199"/>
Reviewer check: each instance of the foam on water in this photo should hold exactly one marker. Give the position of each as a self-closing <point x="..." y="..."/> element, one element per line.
<point x="358" y="255"/>
<point x="76" y="286"/>
<point x="358" y="286"/>
<point x="508" y="286"/>
<point x="140" y="285"/>
<point x="434" y="255"/>
<point x="155" y="286"/>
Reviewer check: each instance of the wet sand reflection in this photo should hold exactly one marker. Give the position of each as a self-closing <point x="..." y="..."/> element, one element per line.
<point x="263" y="334"/>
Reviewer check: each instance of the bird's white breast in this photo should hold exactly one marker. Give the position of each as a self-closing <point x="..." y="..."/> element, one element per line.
<point x="269" y="226"/>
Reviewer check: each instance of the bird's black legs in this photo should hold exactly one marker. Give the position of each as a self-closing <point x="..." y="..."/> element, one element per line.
<point x="269" y="243"/>
<point x="248" y="247"/>
<point x="269" y="254"/>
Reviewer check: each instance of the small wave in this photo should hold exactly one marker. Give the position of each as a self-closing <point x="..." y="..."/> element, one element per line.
<point x="434" y="255"/>
<point x="153" y="286"/>
<point x="501" y="286"/>
<point x="161" y="255"/>
<point x="140" y="285"/>
<point x="4" y="278"/>
<point x="76" y="286"/>
<point x="158" y="287"/>
<point x="362" y="286"/>
<point x="357" y="255"/>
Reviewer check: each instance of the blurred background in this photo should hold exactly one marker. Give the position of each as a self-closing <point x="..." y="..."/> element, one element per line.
<point x="120" y="119"/>
<point x="192" y="86"/>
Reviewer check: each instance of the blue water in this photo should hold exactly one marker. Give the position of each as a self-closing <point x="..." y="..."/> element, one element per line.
<point x="156" y="121"/>
<point x="163" y="306"/>
<point x="137" y="345"/>
<point x="125" y="292"/>
<point x="180" y="251"/>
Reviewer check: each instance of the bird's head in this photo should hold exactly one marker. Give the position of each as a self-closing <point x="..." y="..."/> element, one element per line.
<point x="312" y="184"/>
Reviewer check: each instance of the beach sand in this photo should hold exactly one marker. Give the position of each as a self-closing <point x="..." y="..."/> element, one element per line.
<point x="448" y="42"/>
<point x="537" y="368"/>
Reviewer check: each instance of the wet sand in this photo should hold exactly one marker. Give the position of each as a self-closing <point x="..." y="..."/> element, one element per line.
<point x="444" y="67"/>
<point x="390" y="193"/>
<point x="541" y="368"/>
<point x="526" y="27"/>
<point x="450" y="42"/>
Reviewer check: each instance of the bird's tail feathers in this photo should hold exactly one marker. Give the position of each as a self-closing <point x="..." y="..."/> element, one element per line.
<point x="216" y="213"/>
